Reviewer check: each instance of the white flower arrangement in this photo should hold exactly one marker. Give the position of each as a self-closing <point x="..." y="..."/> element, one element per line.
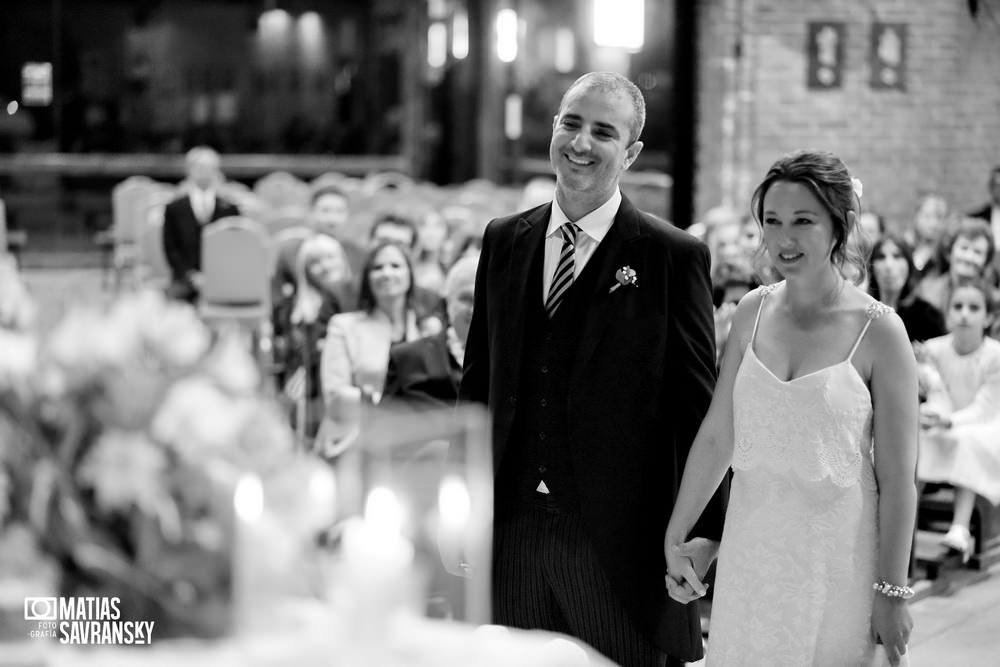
<point x="124" y="430"/>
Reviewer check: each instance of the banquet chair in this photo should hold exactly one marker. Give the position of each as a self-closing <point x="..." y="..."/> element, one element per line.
<point x="236" y="264"/>
<point x="282" y="194"/>
<point x="129" y="202"/>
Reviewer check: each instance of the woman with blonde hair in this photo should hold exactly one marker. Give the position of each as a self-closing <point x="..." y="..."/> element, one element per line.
<point x="322" y="274"/>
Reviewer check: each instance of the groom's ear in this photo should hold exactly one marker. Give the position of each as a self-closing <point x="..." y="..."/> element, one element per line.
<point x="632" y="152"/>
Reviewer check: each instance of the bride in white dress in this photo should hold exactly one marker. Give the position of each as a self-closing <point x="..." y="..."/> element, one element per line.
<point x="816" y="412"/>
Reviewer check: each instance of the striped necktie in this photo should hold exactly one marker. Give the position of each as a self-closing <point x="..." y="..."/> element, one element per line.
<point x="562" y="279"/>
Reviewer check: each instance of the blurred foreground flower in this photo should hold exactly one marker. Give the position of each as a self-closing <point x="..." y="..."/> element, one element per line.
<point x="123" y="432"/>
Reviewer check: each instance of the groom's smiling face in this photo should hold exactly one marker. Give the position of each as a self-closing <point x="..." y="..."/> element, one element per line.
<point x="591" y="141"/>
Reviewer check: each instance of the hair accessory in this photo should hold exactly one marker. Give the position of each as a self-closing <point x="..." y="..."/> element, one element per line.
<point x="892" y="590"/>
<point x="858" y="186"/>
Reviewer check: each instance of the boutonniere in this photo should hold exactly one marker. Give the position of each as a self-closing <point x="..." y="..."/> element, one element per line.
<point x="625" y="276"/>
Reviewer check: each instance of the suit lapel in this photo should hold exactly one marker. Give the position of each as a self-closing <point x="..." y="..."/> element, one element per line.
<point x="615" y="251"/>
<point x="528" y="236"/>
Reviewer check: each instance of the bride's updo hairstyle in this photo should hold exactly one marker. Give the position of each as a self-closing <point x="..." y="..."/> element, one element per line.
<point x="828" y="179"/>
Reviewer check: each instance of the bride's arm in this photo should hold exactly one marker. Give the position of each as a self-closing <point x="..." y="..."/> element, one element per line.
<point x="894" y="398"/>
<point x="711" y="454"/>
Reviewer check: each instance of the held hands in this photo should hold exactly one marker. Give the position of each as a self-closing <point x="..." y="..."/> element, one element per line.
<point x="687" y="564"/>
<point x="891" y="625"/>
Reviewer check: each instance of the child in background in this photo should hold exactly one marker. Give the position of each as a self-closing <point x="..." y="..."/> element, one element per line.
<point x="960" y="443"/>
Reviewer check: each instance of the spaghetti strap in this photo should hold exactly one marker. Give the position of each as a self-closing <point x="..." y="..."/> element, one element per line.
<point x="764" y="291"/>
<point x="875" y="310"/>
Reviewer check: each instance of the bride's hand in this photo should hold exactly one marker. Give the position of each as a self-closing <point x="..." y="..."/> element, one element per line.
<point x="687" y="564"/>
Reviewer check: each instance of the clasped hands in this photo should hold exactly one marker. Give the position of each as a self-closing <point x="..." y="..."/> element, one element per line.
<point x="687" y="564"/>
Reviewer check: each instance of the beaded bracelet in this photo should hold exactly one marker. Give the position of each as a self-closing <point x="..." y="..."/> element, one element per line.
<point x="892" y="590"/>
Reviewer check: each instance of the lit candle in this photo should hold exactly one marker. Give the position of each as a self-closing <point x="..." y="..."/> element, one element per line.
<point x="454" y="511"/>
<point x="378" y="564"/>
<point x="248" y="506"/>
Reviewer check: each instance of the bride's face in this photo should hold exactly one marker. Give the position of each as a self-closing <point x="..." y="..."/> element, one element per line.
<point x="797" y="229"/>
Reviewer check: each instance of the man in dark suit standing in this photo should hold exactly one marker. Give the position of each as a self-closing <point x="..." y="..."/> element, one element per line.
<point x="425" y="373"/>
<point x="184" y="218"/>
<point x="592" y="344"/>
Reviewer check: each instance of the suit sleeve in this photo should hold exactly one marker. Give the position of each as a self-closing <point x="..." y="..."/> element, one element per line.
<point x="393" y="386"/>
<point x="692" y="367"/>
<point x="476" y="367"/>
<point x="173" y="244"/>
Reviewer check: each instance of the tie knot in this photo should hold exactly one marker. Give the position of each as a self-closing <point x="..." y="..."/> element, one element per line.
<point x="569" y="231"/>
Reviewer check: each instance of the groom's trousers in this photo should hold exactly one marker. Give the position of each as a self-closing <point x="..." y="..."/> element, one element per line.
<point x="546" y="576"/>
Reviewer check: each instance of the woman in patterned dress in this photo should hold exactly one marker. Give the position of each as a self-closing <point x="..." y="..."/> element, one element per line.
<point x="816" y="412"/>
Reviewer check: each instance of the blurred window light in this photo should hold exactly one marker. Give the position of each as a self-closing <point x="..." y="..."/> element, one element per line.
<point x="274" y="22"/>
<point x="512" y="117"/>
<point x="565" y="55"/>
<point x="36" y="84"/>
<point x="460" y="34"/>
<point x="619" y="23"/>
<point x="507" y="35"/>
<point x="11" y="108"/>
<point x="312" y="39"/>
<point x="437" y="45"/>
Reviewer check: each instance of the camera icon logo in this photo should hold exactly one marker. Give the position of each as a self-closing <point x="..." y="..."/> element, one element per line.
<point x="41" y="609"/>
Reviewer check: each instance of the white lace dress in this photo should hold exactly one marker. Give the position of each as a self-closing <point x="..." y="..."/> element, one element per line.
<point x="798" y="554"/>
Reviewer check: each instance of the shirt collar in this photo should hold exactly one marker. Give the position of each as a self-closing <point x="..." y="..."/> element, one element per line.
<point x="595" y="224"/>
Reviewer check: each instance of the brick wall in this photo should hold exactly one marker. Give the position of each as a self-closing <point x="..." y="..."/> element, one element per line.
<point x="941" y="133"/>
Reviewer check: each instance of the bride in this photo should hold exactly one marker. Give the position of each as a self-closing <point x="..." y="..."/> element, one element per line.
<point x="816" y="412"/>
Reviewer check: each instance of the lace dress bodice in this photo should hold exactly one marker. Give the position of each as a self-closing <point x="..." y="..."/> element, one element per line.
<point x="798" y="552"/>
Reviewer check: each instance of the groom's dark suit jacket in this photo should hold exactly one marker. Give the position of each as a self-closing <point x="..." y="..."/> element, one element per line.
<point x="640" y="382"/>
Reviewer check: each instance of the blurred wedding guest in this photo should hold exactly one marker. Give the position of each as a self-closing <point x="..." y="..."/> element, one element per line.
<point x="322" y="272"/>
<point x="401" y="229"/>
<point x="930" y="224"/>
<point x="395" y="227"/>
<point x="961" y="437"/>
<point x="968" y="252"/>
<point x="429" y="268"/>
<point x="991" y="211"/>
<point x="872" y="225"/>
<point x="892" y="280"/>
<point x="329" y="211"/>
<point x="426" y="372"/>
<point x="184" y="218"/>
<point x="355" y="354"/>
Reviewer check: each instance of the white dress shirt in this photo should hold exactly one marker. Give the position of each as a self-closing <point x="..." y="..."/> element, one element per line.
<point x="593" y="228"/>
<point x="203" y="204"/>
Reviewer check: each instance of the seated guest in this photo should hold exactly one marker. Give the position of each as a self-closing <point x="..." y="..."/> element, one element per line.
<point x="322" y="271"/>
<point x="402" y="231"/>
<point x="969" y="252"/>
<point x="928" y="234"/>
<point x="329" y="211"/>
<point x="355" y="354"/>
<point x="892" y="280"/>
<point x="960" y="440"/>
<point x="184" y="218"/>
<point x="427" y="372"/>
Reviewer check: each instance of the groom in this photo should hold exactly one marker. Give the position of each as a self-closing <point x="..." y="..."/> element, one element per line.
<point x="592" y="344"/>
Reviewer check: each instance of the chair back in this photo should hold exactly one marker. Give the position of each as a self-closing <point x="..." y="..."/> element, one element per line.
<point x="3" y="227"/>
<point x="236" y="262"/>
<point x="129" y="201"/>
<point x="283" y="193"/>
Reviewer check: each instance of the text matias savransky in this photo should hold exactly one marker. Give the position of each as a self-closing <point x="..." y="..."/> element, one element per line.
<point x="85" y="620"/>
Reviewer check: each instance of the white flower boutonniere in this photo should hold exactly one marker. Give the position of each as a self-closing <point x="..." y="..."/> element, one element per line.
<point x="625" y="276"/>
